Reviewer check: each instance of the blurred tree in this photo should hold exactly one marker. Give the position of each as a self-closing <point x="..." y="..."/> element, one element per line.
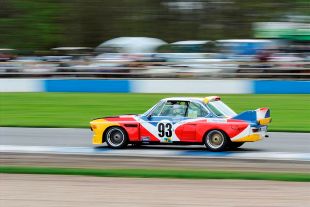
<point x="30" y="24"/>
<point x="42" y="24"/>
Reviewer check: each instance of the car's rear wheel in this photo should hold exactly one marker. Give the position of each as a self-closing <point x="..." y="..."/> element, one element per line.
<point x="116" y="137"/>
<point x="235" y="145"/>
<point x="216" y="141"/>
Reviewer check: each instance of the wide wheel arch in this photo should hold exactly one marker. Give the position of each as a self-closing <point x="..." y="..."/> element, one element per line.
<point x="209" y="130"/>
<point x="211" y="139"/>
<point x="114" y="126"/>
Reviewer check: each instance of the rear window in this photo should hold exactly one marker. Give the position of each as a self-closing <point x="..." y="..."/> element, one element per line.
<point x="221" y="109"/>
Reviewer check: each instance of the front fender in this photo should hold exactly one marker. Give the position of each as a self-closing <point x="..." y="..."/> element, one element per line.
<point x="98" y="127"/>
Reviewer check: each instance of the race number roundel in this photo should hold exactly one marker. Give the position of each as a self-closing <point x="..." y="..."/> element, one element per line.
<point x="164" y="129"/>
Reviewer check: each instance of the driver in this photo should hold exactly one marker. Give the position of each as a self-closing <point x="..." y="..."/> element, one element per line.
<point x="178" y="110"/>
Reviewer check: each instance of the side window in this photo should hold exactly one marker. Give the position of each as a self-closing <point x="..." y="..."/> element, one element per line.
<point x="174" y="108"/>
<point x="196" y="110"/>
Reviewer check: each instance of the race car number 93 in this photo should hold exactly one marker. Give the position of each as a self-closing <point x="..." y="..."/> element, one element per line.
<point x="164" y="129"/>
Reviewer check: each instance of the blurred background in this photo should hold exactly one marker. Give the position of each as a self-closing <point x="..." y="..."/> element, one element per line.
<point x="155" y="38"/>
<point x="253" y="53"/>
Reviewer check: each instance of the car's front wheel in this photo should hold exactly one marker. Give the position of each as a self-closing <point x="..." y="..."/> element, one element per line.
<point x="116" y="137"/>
<point x="216" y="141"/>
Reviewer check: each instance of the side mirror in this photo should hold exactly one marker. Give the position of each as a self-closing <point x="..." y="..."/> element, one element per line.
<point x="149" y="116"/>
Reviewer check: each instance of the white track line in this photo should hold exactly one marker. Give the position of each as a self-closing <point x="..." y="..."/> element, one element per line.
<point x="155" y="153"/>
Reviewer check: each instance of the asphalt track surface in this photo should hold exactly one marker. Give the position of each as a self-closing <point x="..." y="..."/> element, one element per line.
<point x="30" y="190"/>
<point x="69" y="137"/>
<point x="80" y="191"/>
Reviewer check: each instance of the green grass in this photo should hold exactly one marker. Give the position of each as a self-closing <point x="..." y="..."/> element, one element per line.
<point x="159" y="173"/>
<point x="289" y="112"/>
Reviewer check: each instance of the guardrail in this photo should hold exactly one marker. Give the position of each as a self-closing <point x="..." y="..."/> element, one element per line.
<point x="216" y="86"/>
<point x="158" y="76"/>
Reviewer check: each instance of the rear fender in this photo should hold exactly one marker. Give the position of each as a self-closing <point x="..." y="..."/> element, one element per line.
<point x="263" y="116"/>
<point x="230" y="128"/>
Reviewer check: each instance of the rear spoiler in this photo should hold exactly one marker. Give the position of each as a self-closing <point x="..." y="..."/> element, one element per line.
<point x="260" y="116"/>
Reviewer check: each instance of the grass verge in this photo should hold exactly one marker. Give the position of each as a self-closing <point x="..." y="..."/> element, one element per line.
<point x="158" y="173"/>
<point x="289" y="112"/>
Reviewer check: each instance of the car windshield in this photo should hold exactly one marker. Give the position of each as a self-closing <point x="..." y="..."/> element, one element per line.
<point x="221" y="109"/>
<point x="157" y="107"/>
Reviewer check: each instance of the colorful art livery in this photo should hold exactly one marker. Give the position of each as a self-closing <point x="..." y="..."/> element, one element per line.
<point x="182" y="120"/>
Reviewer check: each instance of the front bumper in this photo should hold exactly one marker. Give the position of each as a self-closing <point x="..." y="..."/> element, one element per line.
<point x="97" y="138"/>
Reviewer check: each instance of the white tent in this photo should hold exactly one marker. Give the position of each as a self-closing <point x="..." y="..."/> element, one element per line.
<point x="131" y="45"/>
<point x="191" y="42"/>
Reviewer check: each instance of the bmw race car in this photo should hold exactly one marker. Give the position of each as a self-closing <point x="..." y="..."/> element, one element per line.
<point x="183" y="120"/>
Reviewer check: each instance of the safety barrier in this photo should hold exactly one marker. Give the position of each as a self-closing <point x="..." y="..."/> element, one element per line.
<point x="156" y="86"/>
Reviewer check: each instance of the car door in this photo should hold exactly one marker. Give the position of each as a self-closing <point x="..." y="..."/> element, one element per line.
<point x="195" y="113"/>
<point x="159" y="124"/>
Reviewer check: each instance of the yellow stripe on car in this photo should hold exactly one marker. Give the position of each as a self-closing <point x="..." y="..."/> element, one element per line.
<point x="211" y="98"/>
<point x="249" y="138"/>
<point x="264" y="121"/>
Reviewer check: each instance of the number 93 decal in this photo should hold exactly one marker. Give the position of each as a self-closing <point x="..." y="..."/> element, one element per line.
<point x="164" y="129"/>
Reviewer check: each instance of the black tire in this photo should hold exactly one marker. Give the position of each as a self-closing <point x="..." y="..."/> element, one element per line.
<point x="216" y="141"/>
<point x="116" y="138"/>
<point x="235" y="145"/>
